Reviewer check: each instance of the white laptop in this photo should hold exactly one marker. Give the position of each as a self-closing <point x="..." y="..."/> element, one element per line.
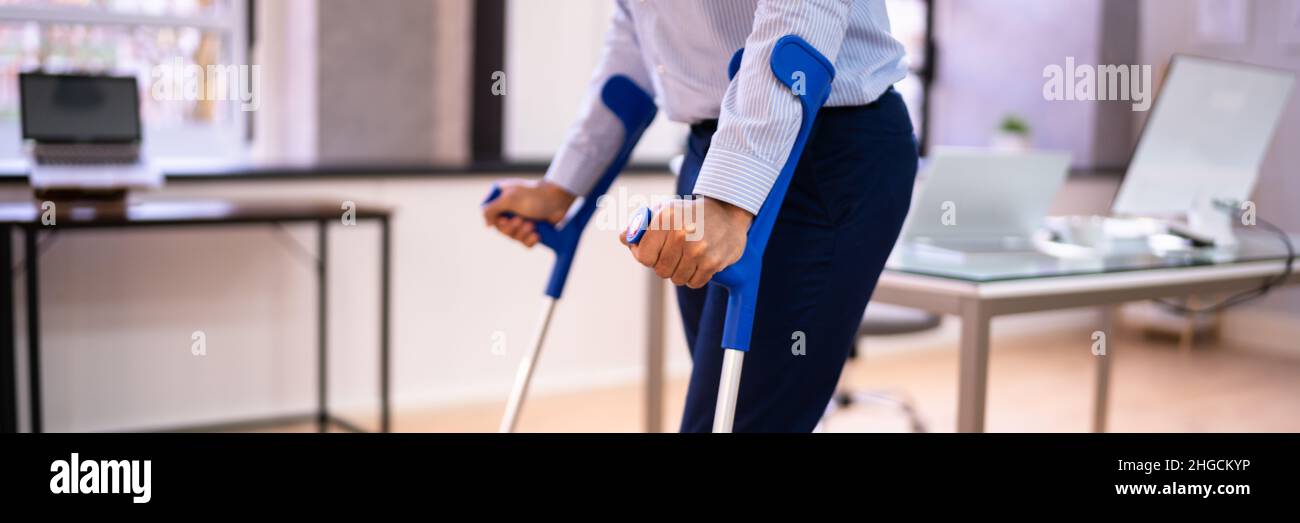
<point x="84" y="132"/>
<point x="1204" y="143"/>
<point x="980" y="200"/>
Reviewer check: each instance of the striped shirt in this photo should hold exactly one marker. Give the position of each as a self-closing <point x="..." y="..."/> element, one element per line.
<point x="679" y="50"/>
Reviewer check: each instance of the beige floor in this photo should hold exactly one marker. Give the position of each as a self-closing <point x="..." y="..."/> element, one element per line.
<point x="1037" y="384"/>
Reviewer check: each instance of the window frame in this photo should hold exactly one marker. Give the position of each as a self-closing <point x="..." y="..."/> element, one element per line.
<point x="235" y="24"/>
<point x="487" y="126"/>
<point x="926" y="75"/>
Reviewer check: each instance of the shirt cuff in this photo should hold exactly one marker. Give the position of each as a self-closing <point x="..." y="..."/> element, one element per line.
<point x="737" y="178"/>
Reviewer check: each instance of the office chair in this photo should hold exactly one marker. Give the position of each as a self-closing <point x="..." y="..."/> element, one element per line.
<point x="884" y="320"/>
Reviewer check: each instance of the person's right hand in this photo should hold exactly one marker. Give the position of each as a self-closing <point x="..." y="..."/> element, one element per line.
<point x="527" y="200"/>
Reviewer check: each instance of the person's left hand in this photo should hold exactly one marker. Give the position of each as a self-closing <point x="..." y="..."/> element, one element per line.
<point x="689" y="241"/>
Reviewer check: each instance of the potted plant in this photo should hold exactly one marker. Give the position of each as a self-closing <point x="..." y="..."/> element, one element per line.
<point x="1013" y="134"/>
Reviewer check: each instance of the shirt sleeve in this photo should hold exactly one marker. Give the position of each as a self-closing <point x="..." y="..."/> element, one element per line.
<point x="594" y="139"/>
<point x="760" y="117"/>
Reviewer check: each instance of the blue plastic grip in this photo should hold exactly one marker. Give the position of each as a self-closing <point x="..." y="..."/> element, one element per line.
<point x="636" y="110"/>
<point x="808" y="74"/>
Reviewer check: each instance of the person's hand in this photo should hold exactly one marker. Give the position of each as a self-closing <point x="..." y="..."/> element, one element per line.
<point x="527" y="200"/>
<point x="688" y="241"/>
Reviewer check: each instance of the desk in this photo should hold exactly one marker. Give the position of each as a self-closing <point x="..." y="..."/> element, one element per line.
<point x="983" y="286"/>
<point x="26" y="217"/>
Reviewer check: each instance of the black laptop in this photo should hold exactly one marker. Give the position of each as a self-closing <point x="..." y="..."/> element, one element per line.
<point x="85" y="130"/>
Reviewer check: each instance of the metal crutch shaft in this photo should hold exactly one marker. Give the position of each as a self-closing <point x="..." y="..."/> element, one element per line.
<point x="524" y="376"/>
<point x="724" y="414"/>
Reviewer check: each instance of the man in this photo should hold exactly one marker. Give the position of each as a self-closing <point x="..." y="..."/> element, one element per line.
<point x="841" y="216"/>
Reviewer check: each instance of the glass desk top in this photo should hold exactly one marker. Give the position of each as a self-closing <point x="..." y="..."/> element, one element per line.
<point x="1057" y="259"/>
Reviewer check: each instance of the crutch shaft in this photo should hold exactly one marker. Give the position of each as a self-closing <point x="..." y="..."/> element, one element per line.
<point x="724" y="415"/>
<point x="524" y="376"/>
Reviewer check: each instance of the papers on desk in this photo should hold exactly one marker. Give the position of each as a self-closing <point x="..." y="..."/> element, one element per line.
<point x="1104" y="236"/>
<point x="138" y="175"/>
<point x="1062" y="237"/>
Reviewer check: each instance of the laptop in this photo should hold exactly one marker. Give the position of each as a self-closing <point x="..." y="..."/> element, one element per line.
<point x="983" y="201"/>
<point x="85" y="132"/>
<point x="1203" y="145"/>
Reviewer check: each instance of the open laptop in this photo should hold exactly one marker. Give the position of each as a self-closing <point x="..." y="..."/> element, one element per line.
<point x="1203" y="145"/>
<point x="983" y="201"/>
<point x="85" y="132"/>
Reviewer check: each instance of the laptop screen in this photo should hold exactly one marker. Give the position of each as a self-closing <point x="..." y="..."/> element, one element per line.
<point x="80" y="109"/>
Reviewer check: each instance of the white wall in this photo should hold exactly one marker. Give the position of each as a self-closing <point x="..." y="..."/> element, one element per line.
<point x="552" y="47"/>
<point x="118" y="309"/>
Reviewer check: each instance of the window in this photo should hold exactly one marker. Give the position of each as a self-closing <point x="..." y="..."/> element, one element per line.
<point x="546" y="93"/>
<point x="130" y="38"/>
<point x="534" y="118"/>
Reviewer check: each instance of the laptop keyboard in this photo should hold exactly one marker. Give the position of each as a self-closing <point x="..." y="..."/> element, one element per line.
<point x="87" y="154"/>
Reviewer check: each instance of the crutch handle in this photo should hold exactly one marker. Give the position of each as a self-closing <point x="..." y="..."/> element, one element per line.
<point x="636" y="110"/>
<point x="546" y="232"/>
<point x="808" y="74"/>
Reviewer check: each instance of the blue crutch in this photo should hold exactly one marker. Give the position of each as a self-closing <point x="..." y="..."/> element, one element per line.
<point x="808" y="74"/>
<point x="635" y="109"/>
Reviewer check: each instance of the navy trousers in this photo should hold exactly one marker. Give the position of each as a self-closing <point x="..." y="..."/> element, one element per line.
<point x="840" y="219"/>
